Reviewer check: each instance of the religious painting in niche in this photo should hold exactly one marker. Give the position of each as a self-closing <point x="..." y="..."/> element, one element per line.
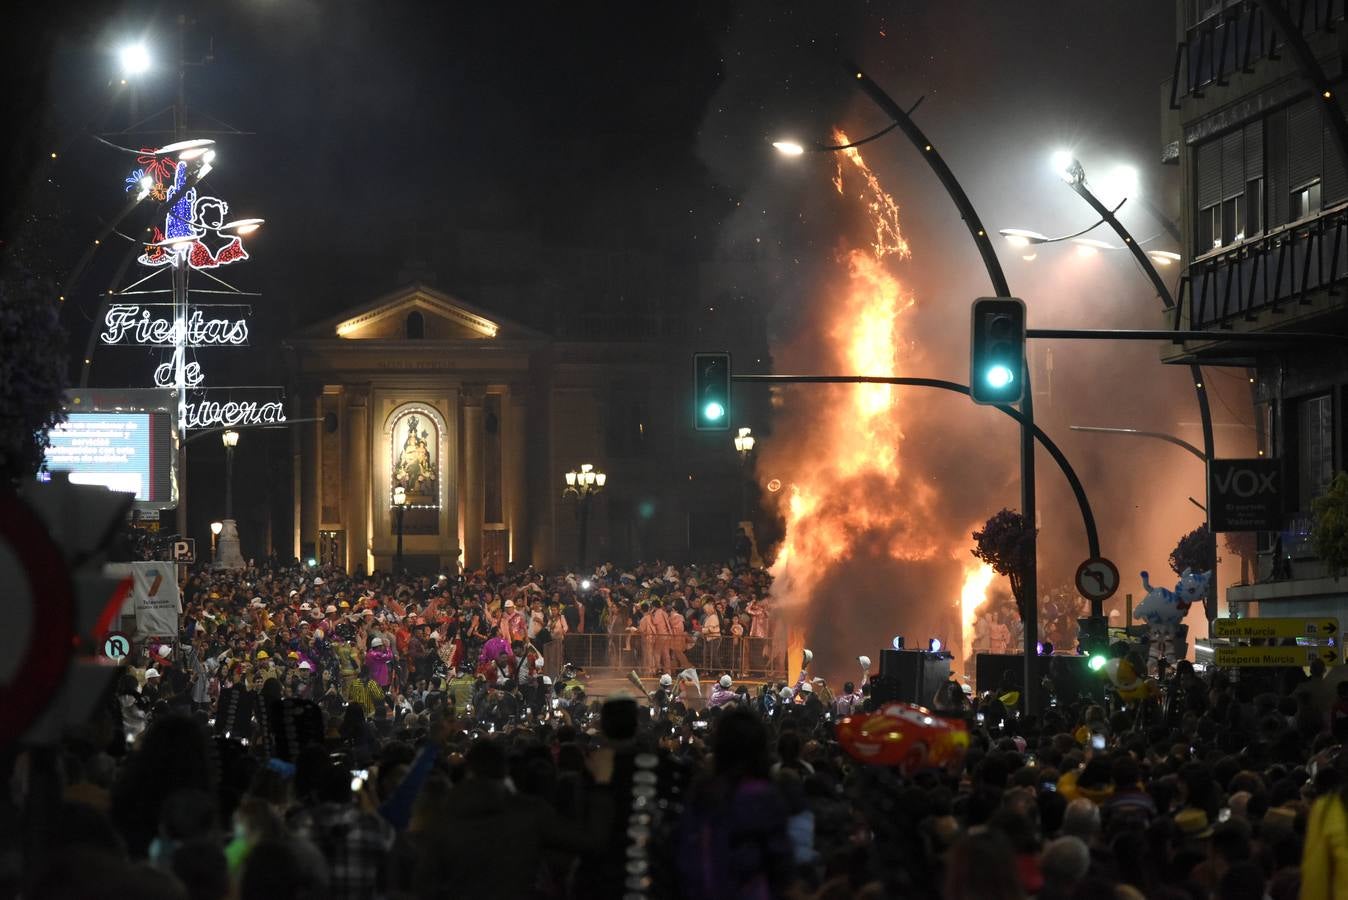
<point x="415" y="444"/>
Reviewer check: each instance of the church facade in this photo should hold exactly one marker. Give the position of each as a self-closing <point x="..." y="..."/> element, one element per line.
<point x="477" y="419"/>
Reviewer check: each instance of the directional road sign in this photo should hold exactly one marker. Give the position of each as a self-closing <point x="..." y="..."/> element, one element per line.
<point x="1296" y="657"/>
<point x="116" y="646"/>
<point x="1097" y="579"/>
<point x="1246" y="629"/>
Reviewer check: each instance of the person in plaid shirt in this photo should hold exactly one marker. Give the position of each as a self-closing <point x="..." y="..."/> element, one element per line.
<point x="354" y="841"/>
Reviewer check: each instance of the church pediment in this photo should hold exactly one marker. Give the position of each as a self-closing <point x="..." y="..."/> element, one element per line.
<point x="416" y="313"/>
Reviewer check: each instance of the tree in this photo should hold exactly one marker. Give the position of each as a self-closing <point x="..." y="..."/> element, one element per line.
<point x="1197" y="550"/>
<point x="1329" y="526"/>
<point x="32" y="374"/>
<point x="1006" y="544"/>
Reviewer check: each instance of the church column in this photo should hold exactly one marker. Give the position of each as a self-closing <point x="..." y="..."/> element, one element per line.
<point x="356" y="493"/>
<point x="515" y="480"/>
<point x="474" y="499"/>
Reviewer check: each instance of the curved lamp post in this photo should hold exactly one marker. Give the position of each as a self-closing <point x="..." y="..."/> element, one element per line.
<point x="1072" y="172"/>
<point x="902" y="120"/>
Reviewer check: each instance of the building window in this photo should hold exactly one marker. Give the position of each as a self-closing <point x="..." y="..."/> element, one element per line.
<point x="1315" y="448"/>
<point x="1231" y="230"/>
<point x="416" y="326"/>
<point x="1210" y="227"/>
<point x="1305" y="201"/>
<point x="1254" y="206"/>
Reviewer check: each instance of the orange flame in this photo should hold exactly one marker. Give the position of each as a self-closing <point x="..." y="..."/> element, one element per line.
<point x="977" y="577"/>
<point x="852" y="480"/>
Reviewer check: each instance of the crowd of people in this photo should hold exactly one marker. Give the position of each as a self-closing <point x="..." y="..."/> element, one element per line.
<point x="315" y="735"/>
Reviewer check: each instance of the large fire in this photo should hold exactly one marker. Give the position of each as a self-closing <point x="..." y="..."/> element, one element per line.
<point x="852" y="486"/>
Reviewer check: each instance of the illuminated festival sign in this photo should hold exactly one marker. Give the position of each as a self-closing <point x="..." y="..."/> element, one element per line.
<point x="196" y="234"/>
<point x="194" y="227"/>
<point x="144" y="327"/>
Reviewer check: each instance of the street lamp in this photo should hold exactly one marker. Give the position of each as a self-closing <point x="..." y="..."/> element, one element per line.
<point x="216" y="527"/>
<point x="744" y="445"/>
<point x="231" y="440"/>
<point x="135" y="59"/>
<point x="583" y="485"/>
<point x="399" y="508"/>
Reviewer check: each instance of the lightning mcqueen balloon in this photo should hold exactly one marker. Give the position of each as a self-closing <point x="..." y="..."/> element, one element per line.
<point x="904" y="735"/>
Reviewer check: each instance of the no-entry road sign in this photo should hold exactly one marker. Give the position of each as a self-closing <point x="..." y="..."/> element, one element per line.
<point x="1097" y="579"/>
<point x="1247" y="629"/>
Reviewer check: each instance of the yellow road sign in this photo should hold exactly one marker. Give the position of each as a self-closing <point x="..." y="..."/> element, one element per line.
<point x="1246" y="629"/>
<point x="1273" y="656"/>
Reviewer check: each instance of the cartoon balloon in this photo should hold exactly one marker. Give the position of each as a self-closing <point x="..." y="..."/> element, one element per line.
<point x="903" y="735"/>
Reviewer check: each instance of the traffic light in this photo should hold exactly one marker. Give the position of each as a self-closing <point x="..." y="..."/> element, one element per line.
<point x="711" y="391"/>
<point x="997" y="351"/>
<point x="1093" y="640"/>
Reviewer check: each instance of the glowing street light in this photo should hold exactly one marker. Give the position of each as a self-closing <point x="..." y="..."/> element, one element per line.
<point x="1163" y="257"/>
<point x="400" y="508"/>
<point x="1064" y="164"/>
<point x="135" y="59"/>
<point x="583" y="485"/>
<point x="788" y="148"/>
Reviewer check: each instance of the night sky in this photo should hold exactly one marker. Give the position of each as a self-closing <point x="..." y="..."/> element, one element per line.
<point x="485" y="148"/>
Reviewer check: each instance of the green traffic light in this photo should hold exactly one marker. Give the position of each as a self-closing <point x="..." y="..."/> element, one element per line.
<point x="1097" y="662"/>
<point x="999" y="376"/>
<point x="713" y="410"/>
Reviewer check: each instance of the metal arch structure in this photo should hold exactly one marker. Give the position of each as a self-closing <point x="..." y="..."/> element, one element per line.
<point x="1083" y="503"/>
<point x="924" y="146"/>
<point x="1162" y="291"/>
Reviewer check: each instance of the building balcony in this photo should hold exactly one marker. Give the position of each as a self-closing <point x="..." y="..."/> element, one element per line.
<point x="1268" y="282"/>
<point x="1225" y="39"/>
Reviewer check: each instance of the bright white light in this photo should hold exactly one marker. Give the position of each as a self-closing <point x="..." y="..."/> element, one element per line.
<point x="312" y="562"/>
<point x="999" y="376"/>
<point x="713" y="410"/>
<point x="788" y="148"/>
<point x="1030" y="257"/>
<point x="897" y="643"/>
<point x="1120" y="183"/>
<point x="1087" y="250"/>
<point x="1061" y="162"/>
<point x="135" y="59"/>
<point x="1163" y="257"/>
<point x="585" y="585"/>
<point x="1022" y="237"/>
<point x="936" y="645"/>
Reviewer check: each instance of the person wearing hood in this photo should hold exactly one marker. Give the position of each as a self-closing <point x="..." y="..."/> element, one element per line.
<point x="378" y="658"/>
<point x="722" y="694"/>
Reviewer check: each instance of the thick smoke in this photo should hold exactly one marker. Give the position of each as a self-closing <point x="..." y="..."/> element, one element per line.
<point x="996" y="135"/>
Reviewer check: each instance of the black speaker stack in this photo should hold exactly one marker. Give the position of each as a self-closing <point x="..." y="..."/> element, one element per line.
<point x="910" y="676"/>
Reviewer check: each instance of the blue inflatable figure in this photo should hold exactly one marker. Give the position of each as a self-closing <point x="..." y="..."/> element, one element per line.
<point x="1164" y="610"/>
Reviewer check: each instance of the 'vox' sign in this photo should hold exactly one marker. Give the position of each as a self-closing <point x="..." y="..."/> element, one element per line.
<point x="1245" y="494"/>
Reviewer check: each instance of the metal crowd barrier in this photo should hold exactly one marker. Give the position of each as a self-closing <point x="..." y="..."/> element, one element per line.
<point x="741" y="657"/>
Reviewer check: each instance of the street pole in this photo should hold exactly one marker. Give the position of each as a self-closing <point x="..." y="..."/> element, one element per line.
<point x="924" y="146"/>
<point x="584" y="511"/>
<point x="179" y="282"/>
<point x="229" y="482"/>
<point x="398" y="561"/>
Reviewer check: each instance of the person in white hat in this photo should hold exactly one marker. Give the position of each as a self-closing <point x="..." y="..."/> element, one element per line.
<point x="513" y="626"/>
<point x="722" y="694"/>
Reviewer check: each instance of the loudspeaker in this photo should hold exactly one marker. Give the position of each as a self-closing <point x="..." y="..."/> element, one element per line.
<point x="909" y="676"/>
